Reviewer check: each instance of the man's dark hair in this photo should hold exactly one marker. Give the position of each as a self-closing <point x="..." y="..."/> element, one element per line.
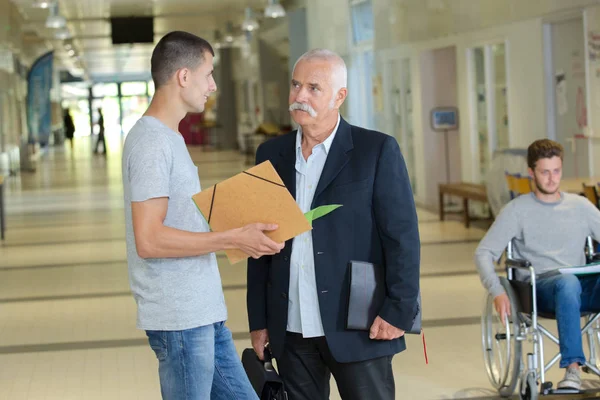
<point x="543" y="148"/>
<point x="174" y="51"/>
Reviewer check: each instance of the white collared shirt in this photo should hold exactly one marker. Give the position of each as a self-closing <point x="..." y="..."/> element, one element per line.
<point x="304" y="315"/>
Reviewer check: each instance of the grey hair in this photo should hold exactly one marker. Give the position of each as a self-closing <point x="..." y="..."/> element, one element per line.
<point x="339" y="75"/>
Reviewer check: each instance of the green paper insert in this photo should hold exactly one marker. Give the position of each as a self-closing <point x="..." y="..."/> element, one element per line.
<point x="310" y="216"/>
<point x="320" y="212"/>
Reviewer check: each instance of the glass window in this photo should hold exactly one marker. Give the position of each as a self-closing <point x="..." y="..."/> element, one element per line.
<point x="501" y="100"/>
<point x="406" y="103"/>
<point x="360" y="82"/>
<point x="111" y="113"/>
<point x="100" y="90"/>
<point x="151" y="88"/>
<point x="368" y="73"/>
<point x="402" y="113"/>
<point x="74" y="90"/>
<point x="362" y="21"/>
<point x="133" y="88"/>
<point x="133" y="108"/>
<point x="490" y="100"/>
<point x="80" y="112"/>
<point x="345" y="109"/>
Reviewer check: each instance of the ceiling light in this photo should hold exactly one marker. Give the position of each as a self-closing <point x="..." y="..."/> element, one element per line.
<point x="62" y="34"/>
<point x="41" y="3"/>
<point x="217" y="39"/>
<point x="55" y="20"/>
<point x="228" y="38"/>
<point x="250" y="23"/>
<point x="274" y="10"/>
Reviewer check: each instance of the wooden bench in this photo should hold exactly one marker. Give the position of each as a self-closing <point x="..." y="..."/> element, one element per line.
<point x="468" y="191"/>
<point x="2" y="217"/>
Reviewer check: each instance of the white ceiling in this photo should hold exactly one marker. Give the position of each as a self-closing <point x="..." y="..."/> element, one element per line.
<point x="89" y="25"/>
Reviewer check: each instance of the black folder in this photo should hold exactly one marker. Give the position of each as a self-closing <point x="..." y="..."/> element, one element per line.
<point x="367" y="294"/>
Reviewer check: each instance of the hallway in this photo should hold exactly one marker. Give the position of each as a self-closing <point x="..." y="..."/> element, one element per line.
<point x="67" y="319"/>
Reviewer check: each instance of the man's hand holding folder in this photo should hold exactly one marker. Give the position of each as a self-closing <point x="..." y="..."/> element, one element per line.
<point x="252" y="240"/>
<point x="256" y="197"/>
<point x="154" y="239"/>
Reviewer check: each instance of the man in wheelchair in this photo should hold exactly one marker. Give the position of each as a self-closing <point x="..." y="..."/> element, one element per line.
<point x="548" y="228"/>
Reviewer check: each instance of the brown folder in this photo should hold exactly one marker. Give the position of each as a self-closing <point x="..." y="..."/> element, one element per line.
<point x="255" y="195"/>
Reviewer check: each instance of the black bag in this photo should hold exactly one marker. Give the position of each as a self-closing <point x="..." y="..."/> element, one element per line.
<point x="263" y="377"/>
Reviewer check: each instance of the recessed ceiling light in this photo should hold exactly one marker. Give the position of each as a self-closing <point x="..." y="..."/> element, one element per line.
<point x="274" y="10"/>
<point x="41" y="3"/>
<point x="62" y="34"/>
<point x="250" y="23"/>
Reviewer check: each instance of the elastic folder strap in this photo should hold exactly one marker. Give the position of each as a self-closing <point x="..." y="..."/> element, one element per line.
<point x="212" y="202"/>
<point x="263" y="179"/>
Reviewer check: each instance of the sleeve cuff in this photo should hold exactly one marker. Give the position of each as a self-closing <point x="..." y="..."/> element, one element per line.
<point x="258" y="324"/>
<point x="399" y="314"/>
<point x="497" y="290"/>
<point x="143" y="195"/>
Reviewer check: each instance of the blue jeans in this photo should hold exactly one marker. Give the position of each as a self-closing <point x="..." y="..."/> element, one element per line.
<point x="567" y="296"/>
<point x="200" y="364"/>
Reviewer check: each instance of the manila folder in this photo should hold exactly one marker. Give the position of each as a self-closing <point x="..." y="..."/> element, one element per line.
<point x="255" y="195"/>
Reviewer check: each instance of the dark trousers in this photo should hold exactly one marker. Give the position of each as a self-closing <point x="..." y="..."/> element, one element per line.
<point x="307" y="364"/>
<point x="100" y="139"/>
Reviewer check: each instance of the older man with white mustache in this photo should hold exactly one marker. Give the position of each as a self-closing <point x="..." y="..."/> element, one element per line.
<point x="303" y="107"/>
<point x="297" y="299"/>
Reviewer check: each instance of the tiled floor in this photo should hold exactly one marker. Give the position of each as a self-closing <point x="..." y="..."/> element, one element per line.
<point x="67" y="320"/>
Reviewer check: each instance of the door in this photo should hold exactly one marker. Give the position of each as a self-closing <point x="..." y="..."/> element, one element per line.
<point x="401" y="113"/>
<point x="568" y="93"/>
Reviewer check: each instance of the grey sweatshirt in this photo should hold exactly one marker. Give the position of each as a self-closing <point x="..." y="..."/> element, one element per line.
<point x="548" y="235"/>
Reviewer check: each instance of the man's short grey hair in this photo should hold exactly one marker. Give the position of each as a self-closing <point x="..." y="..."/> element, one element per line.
<point x="339" y="73"/>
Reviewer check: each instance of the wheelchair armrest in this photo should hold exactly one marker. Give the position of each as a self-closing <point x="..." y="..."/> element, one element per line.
<point x="519" y="264"/>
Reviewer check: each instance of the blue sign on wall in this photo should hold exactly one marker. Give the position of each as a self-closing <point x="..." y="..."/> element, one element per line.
<point x="444" y="119"/>
<point x="39" y="110"/>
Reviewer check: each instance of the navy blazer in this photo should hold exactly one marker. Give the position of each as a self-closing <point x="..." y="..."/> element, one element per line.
<point x="366" y="173"/>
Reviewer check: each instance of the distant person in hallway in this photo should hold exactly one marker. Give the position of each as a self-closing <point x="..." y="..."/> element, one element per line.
<point x="173" y="269"/>
<point x="100" y="124"/>
<point x="549" y="229"/>
<point x="297" y="299"/>
<point x="69" y="126"/>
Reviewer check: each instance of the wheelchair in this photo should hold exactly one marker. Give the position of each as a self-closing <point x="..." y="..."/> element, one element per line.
<point x="502" y="343"/>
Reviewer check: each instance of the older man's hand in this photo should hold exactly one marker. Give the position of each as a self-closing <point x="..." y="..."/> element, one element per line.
<point x="259" y="340"/>
<point x="381" y="330"/>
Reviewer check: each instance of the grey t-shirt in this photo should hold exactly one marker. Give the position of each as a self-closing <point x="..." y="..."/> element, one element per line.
<point x="171" y="293"/>
<point x="548" y="235"/>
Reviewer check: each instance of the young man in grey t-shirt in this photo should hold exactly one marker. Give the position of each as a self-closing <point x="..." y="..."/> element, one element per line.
<point x="549" y="229"/>
<point x="170" y="250"/>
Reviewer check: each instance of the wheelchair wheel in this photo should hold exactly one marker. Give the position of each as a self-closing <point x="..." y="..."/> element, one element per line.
<point x="501" y="349"/>
<point x="529" y="389"/>
<point x="593" y="339"/>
